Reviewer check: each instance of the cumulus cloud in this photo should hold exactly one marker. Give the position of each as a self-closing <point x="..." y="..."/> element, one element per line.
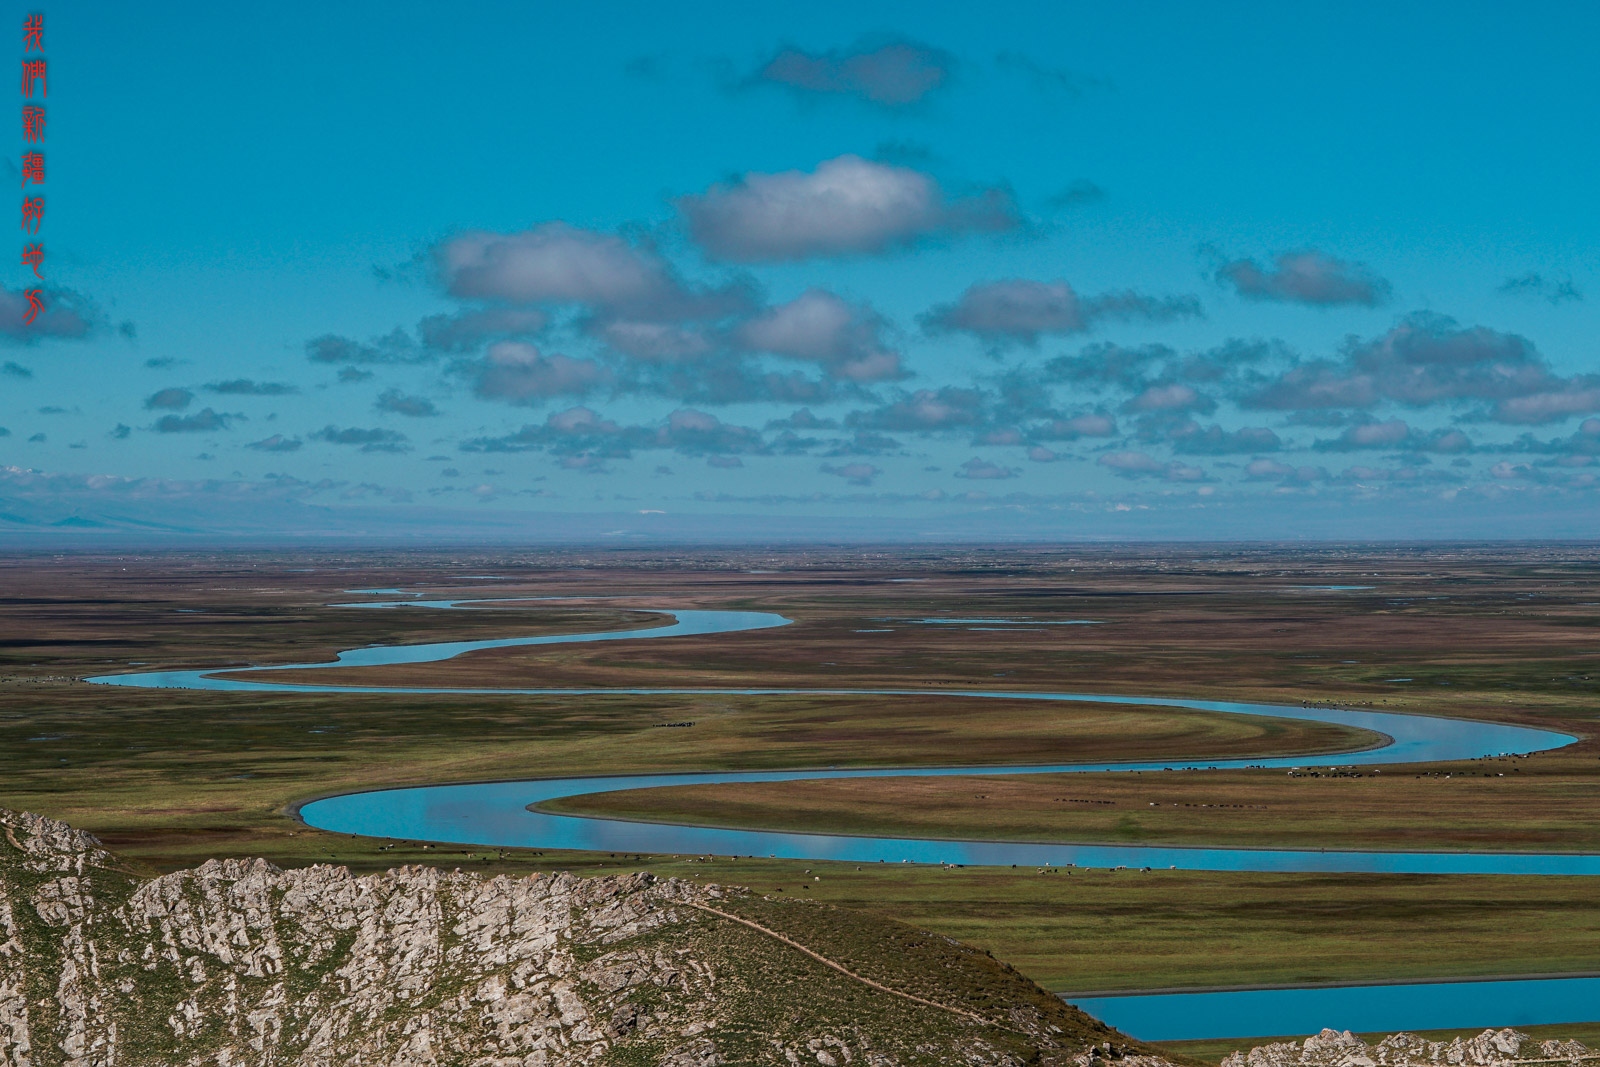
<point x="520" y="373"/>
<point x="925" y="409"/>
<point x="863" y="443"/>
<point x="1428" y="359"/>
<point x="1192" y="439"/>
<point x="1019" y="310"/>
<point x="247" y="387"/>
<point x="464" y="331"/>
<point x="1396" y="434"/>
<point x="1091" y="424"/>
<point x="1317" y="384"/>
<point x="1172" y="398"/>
<point x="694" y="432"/>
<point x="581" y="430"/>
<point x="1575" y="397"/>
<point x="1144" y="465"/>
<point x="659" y="342"/>
<point x="803" y="419"/>
<point x="1542" y="287"/>
<point x="854" y="473"/>
<point x="1271" y="470"/>
<point x="276" y="443"/>
<point x="1306" y="277"/>
<point x="203" y="421"/>
<point x="394" y="347"/>
<point x="727" y="380"/>
<point x="892" y="73"/>
<point x="847" y="206"/>
<point x="173" y="399"/>
<point x="1373" y="435"/>
<point x="983" y="470"/>
<point x="818" y="325"/>
<point x="375" y="439"/>
<point x="1583" y="441"/>
<point x="572" y="431"/>
<point x="396" y="402"/>
<point x="66" y="314"/>
<point x="557" y="264"/>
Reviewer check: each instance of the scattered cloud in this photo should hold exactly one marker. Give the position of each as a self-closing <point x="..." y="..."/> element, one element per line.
<point x="375" y="439"/>
<point x="66" y="314"/>
<point x="465" y="330"/>
<point x="1017" y="310"/>
<point x="1542" y="287"/>
<point x="173" y="399"/>
<point x="1575" y="397"/>
<point x="248" y="387"/>
<point x="1078" y="191"/>
<point x="983" y="470"/>
<point x="655" y="342"/>
<point x="1190" y="438"/>
<point x="847" y="206"/>
<point x="203" y="421"/>
<point x="394" y="347"/>
<point x="276" y="443"/>
<point x="925" y="409"/>
<point x="557" y="264"/>
<point x="1430" y="359"/>
<point x="894" y="73"/>
<point x="803" y="419"/>
<point x="518" y="372"/>
<point x="396" y="402"/>
<point x="1172" y="398"/>
<point x="1271" y="470"/>
<point x="817" y="325"/>
<point x="1143" y="465"/>
<point x="854" y="473"/>
<point x="1306" y="277"/>
<point x="1058" y="80"/>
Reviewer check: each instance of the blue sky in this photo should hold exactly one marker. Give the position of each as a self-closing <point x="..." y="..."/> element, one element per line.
<point x="1087" y="270"/>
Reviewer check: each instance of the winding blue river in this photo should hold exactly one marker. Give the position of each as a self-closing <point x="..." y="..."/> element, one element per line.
<point x="498" y="813"/>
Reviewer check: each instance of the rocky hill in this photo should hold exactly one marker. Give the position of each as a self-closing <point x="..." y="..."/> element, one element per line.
<point x="1492" y="1048"/>
<point x="240" y="963"/>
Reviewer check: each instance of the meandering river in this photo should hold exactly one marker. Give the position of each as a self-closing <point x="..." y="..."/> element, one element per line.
<point x="501" y="813"/>
<point x="498" y="813"/>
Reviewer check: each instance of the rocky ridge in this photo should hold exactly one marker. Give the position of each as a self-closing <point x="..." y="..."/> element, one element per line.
<point x="240" y="963"/>
<point x="1335" y="1048"/>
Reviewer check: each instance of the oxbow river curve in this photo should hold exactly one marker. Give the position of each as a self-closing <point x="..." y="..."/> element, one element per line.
<point x="505" y="813"/>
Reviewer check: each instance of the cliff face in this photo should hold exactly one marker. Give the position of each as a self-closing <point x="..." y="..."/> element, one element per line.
<point x="239" y="963"/>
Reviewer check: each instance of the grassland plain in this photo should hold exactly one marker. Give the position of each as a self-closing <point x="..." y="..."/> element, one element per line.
<point x="1507" y="634"/>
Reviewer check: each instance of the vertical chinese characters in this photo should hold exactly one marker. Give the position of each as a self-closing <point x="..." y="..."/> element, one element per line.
<point x="34" y="90"/>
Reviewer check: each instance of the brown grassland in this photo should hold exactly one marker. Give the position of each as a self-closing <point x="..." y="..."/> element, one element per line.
<point x="1507" y="633"/>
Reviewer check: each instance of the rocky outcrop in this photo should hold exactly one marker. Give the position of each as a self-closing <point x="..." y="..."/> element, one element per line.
<point x="239" y="963"/>
<point x="1334" y="1048"/>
